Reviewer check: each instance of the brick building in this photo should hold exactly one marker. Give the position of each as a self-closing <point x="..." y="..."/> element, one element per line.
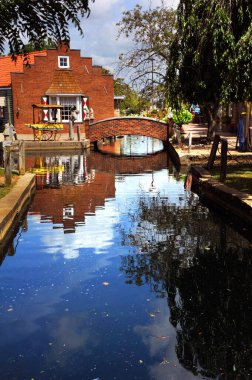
<point x="53" y="76"/>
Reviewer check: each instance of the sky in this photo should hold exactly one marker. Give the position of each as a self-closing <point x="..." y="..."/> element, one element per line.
<point x="100" y="30"/>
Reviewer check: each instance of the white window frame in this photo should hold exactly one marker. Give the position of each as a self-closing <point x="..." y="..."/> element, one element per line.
<point x="66" y="59"/>
<point x="75" y="100"/>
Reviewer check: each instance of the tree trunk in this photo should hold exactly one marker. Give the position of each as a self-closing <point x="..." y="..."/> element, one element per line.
<point x="211" y="116"/>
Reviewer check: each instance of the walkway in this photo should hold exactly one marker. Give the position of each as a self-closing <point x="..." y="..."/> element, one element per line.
<point x="201" y="150"/>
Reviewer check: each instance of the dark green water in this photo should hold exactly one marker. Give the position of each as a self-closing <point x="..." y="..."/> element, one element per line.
<point x="119" y="273"/>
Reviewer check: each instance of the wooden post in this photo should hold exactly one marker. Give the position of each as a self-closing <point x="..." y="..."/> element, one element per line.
<point x="168" y="131"/>
<point x="9" y="111"/>
<point x="7" y="165"/>
<point x="224" y="149"/>
<point x="21" y="158"/>
<point x="78" y="132"/>
<point x="179" y="138"/>
<point x="178" y="135"/>
<point x="213" y="152"/>
<point x="190" y="142"/>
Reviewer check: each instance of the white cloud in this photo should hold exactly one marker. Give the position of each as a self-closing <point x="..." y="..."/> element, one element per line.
<point x="100" y="30"/>
<point x="95" y="229"/>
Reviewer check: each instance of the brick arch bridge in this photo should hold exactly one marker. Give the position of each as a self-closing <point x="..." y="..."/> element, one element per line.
<point x="121" y="126"/>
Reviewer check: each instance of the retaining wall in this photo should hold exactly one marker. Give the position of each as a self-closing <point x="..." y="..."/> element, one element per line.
<point x="230" y="200"/>
<point x="11" y="205"/>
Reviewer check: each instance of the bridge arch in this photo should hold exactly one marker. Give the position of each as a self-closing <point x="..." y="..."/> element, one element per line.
<point x="121" y="126"/>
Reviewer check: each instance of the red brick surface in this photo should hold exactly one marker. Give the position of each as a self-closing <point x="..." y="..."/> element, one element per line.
<point x="127" y="126"/>
<point x="29" y="86"/>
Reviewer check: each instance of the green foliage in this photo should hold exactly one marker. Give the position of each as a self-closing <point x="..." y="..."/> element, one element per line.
<point x="48" y="44"/>
<point x="37" y="21"/>
<point x="182" y="116"/>
<point x="212" y="52"/>
<point x="106" y="71"/>
<point x="132" y="103"/>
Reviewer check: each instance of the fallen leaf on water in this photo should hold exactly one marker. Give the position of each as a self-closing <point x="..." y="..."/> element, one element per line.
<point x="161" y="337"/>
<point x="152" y="315"/>
<point x="164" y="362"/>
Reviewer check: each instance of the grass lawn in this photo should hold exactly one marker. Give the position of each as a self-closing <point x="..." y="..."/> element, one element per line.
<point x="5" y="189"/>
<point x="238" y="177"/>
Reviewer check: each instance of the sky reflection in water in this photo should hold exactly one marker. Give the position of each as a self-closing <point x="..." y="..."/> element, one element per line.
<point x="108" y="300"/>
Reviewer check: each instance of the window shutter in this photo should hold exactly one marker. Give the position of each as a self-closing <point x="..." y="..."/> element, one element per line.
<point x="45" y="112"/>
<point x="85" y="108"/>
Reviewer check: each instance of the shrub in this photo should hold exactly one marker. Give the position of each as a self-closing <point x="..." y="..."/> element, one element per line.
<point x="182" y="116"/>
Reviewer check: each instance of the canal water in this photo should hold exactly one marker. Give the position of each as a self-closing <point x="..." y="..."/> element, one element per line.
<point x="118" y="272"/>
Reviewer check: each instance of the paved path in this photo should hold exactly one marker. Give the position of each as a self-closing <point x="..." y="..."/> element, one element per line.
<point x="199" y="131"/>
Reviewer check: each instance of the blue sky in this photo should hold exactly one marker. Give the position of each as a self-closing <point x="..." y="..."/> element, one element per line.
<point x="100" y="30"/>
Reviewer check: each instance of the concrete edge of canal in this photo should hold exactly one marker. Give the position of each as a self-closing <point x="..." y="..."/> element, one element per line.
<point x="56" y="145"/>
<point x="228" y="199"/>
<point x="12" y="205"/>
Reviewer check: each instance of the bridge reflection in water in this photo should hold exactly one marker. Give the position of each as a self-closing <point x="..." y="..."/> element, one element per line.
<point x="131" y="145"/>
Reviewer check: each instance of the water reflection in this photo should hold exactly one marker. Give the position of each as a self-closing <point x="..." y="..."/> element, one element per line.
<point x="60" y="201"/>
<point x="54" y="171"/>
<point x="203" y="268"/>
<point x="132" y="145"/>
<point x="123" y="275"/>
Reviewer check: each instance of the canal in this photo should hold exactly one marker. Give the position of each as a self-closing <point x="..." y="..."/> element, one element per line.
<point x="118" y="272"/>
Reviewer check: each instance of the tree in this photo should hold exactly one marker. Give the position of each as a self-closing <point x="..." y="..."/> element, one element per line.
<point x="42" y="46"/>
<point x="211" y="55"/>
<point x="38" y="20"/>
<point x="152" y="32"/>
<point x="133" y="103"/>
<point x="203" y="268"/>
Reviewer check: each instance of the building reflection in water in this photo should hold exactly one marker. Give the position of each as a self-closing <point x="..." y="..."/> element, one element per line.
<point x="67" y="189"/>
<point x="54" y="171"/>
<point x="70" y="187"/>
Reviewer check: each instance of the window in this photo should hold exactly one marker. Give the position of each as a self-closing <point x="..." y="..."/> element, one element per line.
<point x="63" y="62"/>
<point x="67" y="102"/>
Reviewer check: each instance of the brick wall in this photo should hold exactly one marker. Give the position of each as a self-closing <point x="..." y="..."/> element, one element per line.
<point x="29" y="86"/>
<point x="127" y="126"/>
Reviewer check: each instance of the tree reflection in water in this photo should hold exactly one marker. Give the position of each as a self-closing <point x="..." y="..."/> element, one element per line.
<point x="203" y="267"/>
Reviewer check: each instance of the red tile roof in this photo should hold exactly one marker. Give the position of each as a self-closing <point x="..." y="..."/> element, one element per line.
<point x="8" y="66"/>
<point x="64" y="83"/>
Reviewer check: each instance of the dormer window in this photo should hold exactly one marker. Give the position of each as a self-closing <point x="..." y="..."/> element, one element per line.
<point x="63" y="62"/>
